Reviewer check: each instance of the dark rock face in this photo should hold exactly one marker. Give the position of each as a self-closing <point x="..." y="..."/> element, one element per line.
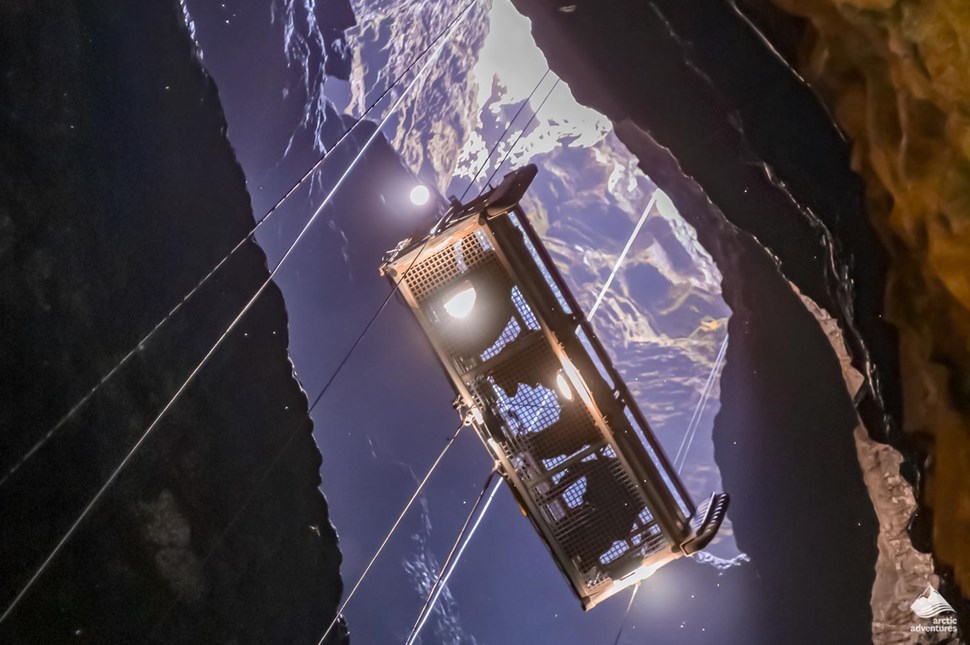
<point x="758" y="141"/>
<point x="118" y="192"/>
<point x="900" y="94"/>
<point x="783" y="436"/>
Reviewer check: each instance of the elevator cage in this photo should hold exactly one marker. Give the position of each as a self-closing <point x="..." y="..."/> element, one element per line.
<point x="544" y="397"/>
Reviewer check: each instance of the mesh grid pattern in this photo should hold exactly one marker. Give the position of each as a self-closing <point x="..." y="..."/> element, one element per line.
<point x="573" y="496"/>
<point x="523" y="308"/>
<point x="483" y="240"/>
<point x="617" y="549"/>
<point x="513" y="329"/>
<point x="551" y="464"/>
<point x="442" y="267"/>
<point x="594" y="528"/>
<point x="488" y="269"/>
<point x="607" y="524"/>
<point x="536" y="407"/>
<point x="509" y="334"/>
<point x="530" y="411"/>
<point x="591" y="504"/>
<point x="648" y="445"/>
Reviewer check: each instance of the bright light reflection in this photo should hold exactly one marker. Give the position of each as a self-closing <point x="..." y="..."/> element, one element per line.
<point x="563" y="386"/>
<point x="574" y="379"/>
<point x="420" y="195"/>
<point x="461" y="304"/>
<point x="639" y="575"/>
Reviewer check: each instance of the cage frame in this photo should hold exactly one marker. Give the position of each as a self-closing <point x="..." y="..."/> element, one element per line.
<point x="524" y="258"/>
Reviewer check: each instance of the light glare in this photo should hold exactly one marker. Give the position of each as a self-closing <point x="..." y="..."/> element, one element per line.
<point x="563" y="386"/>
<point x="462" y="303"/>
<point x="420" y="195"/>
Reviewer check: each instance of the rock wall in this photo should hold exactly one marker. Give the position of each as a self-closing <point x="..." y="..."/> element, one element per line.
<point x="389" y="35"/>
<point x="897" y="78"/>
<point x="118" y="192"/>
<point x="705" y="86"/>
<point x="902" y="571"/>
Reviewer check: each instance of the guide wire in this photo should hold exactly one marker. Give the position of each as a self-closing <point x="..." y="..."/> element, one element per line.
<point x="323" y="391"/>
<point x="502" y="136"/>
<point x="694" y="422"/>
<point x="622" y="257"/>
<point x="151" y="427"/>
<point x="695" y="419"/>
<point x="626" y="614"/>
<point x="460" y="544"/>
<point x="521" y="134"/>
<point x="397" y="285"/>
<point x="249" y="236"/>
<point x="454" y="555"/>
<point x="390" y="533"/>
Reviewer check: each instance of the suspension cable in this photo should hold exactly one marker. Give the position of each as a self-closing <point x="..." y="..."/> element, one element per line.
<point x="333" y="377"/>
<point x="346" y="358"/>
<point x="390" y="533"/>
<point x="697" y="408"/>
<point x="694" y="422"/>
<point x="622" y="256"/>
<point x="454" y="555"/>
<point x="446" y="571"/>
<point x="272" y="465"/>
<point x="521" y="134"/>
<point x="330" y="381"/>
<point x="692" y="425"/>
<point x="117" y="471"/>
<point x="391" y="294"/>
<point x="462" y="540"/>
<point x="626" y="614"/>
<point x="698" y="411"/>
<point x="502" y="136"/>
<point x="72" y="412"/>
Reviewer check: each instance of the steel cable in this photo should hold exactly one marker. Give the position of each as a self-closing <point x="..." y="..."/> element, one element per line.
<point x="147" y="432"/>
<point x="188" y="296"/>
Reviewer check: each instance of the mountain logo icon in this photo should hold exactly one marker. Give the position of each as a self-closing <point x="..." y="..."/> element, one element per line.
<point x="930" y="603"/>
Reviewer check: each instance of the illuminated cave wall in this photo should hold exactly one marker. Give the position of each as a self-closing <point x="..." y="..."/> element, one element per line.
<point x="897" y="78"/>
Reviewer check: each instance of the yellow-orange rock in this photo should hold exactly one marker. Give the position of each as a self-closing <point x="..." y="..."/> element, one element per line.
<point x="896" y="74"/>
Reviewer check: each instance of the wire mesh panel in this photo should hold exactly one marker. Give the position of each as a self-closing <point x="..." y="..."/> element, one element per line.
<point x="537" y="419"/>
<point x="591" y="503"/>
<point x="505" y="329"/>
<point x="443" y="267"/>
